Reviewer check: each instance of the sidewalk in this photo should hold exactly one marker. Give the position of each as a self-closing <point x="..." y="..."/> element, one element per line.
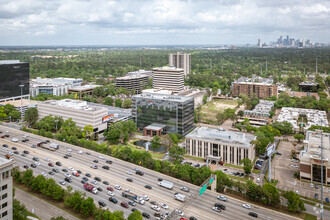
<point x="42" y="209"/>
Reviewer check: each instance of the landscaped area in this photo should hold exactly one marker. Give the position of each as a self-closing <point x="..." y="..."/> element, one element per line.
<point x="212" y="108"/>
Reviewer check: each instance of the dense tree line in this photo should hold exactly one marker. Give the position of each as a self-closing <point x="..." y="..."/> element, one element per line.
<point x="9" y="110"/>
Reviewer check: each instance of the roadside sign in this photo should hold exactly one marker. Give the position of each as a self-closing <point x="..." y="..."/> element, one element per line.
<point x="211" y="181"/>
<point x="202" y="190"/>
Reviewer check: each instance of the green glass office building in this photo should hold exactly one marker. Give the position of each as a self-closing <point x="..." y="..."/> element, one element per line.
<point x="170" y="113"/>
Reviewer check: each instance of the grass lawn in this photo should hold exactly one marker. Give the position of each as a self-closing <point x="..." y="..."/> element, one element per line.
<point x="212" y="108"/>
<point x="242" y="179"/>
<point x="157" y="155"/>
<point x="233" y="166"/>
<point x="255" y="171"/>
<point x="194" y="158"/>
<point x="310" y="217"/>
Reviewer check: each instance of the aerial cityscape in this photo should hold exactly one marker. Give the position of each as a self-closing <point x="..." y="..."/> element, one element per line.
<point x="164" y="109"/>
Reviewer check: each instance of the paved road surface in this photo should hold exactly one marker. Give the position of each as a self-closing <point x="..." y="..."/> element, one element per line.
<point x="42" y="209"/>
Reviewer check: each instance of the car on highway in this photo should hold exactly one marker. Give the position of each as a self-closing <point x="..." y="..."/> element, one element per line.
<point x="180" y="213"/>
<point x="88" y="153"/>
<point x="139" y="172"/>
<point x="14" y="148"/>
<point x="129" y="179"/>
<point x="132" y="203"/>
<point x="225" y="170"/>
<point x="105" y="182"/>
<point x="68" y="154"/>
<point x="26" y="166"/>
<point x="164" y="206"/>
<point x="160" y="179"/>
<point x="35" y="158"/>
<point x="67" y="175"/>
<point x="124" y="204"/>
<point x="58" y="163"/>
<point x="97" y="178"/>
<point x="136" y="169"/>
<point x="50" y="164"/>
<point x="80" y="152"/>
<point x="105" y="167"/>
<point x="5" y="148"/>
<point x="62" y="182"/>
<point x="192" y="218"/>
<point x="148" y="186"/>
<point x="222" y="198"/>
<point x="154" y="207"/>
<point x="37" y="163"/>
<point x="46" y="141"/>
<point x="26" y="152"/>
<point x="14" y="140"/>
<point x="118" y="187"/>
<point x="95" y="161"/>
<point x="127" y="190"/>
<point x="247" y="206"/>
<point x="113" y="200"/>
<point x="65" y="170"/>
<point x="16" y="152"/>
<point x="69" y="149"/>
<point x="108" y="161"/>
<point x="146" y="215"/>
<point x="71" y="168"/>
<point x="66" y="157"/>
<point x="88" y="175"/>
<point x="47" y="159"/>
<point x="85" y="178"/>
<point x="134" y="209"/>
<point x="111" y="193"/>
<point x="55" y="170"/>
<point x="68" y="179"/>
<point x="183" y="188"/>
<point x="75" y="173"/>
<point x="101" y="203"/>
<point x="94" y="182"/>
<point x="129" y="172"/>
<point x="153" y="202"/>
<point x="145" y="197"/>
<point x="51" y="173"/>
<point x="109" y="188"/>
<point x="33" y="165"/>
<point x="217" y="209"/>
<point x="220" y="206"/>
<point x="23" y="155"/>
<point x="93" y="166"/>
<point x="10" y="153"/>
<point x="79" y="171"/>
<point x="278" y="153"/>
<point x="33" y="146"/>
<point x="101" y="157"/>
<point x="99" y="189"/>
<point x="253" y="214"/>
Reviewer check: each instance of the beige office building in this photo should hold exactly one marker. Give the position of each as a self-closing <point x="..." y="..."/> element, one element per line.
<point x="80" y="112"/>
<point x="227" y="146"/>
<point x="180" y="60"/>
<point x="6" y="189"/>
<point x="168" y="78"/>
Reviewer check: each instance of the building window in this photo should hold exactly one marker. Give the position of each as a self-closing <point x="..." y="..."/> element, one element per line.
<point x="4" y="205"/>
<point x="205" y="149"/>
<point x="5" y="175"/>
<point x="4" y="196"/>
<point x="4" y="187"/>
<point x="4" y="214"/>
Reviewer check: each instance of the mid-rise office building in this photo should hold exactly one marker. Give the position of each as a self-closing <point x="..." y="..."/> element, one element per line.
<point x="6" y="189"/>
<point x="310" y="157"/>
<point x="140" y="72"/>
<point x="168" y="78"/>
<point x="158" y="114"/>
<point x="14" y="73"/>
<point x="80" y="112"/>
<point x="180" y="60"/>
<point x="256" y="86"/>
<point x="222" y="145"/>
<point x="130" y="82"/>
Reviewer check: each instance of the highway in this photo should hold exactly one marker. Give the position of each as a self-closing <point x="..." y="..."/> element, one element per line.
<point x="201" y="207"/>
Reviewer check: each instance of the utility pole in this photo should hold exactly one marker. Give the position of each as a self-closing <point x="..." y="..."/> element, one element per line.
<point x="210" y="64"/>
<point x="266" y="65"/>
<point x="140" y="63"/>
<point x="21" y="102"/>
<point x="321" y="170"/>
<point x="316" y="66"/>
<point x="260" y="69"/>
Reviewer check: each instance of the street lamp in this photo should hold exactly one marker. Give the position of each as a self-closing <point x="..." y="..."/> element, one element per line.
<point x="321" y="172"/>
<point x="21" y="102"/>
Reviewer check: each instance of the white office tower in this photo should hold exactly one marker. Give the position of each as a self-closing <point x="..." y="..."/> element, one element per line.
<point x="180" y="60"/>
<point x="168" y="78"/>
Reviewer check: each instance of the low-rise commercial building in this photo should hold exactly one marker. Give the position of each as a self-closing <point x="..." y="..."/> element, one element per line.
<point x="259" y="116"/>
<point x="133" y="82"/>
<point x="302" y="119"/>
<point x="310" y="157"/>
<point x="168" y="78"/>
<point x="6" y="189"/>
<point x="80" y="112"/>
<point x="228" y="146"/>
<point x="308" y="86"/>
<point x="82" y="91"/>
<point x="158" y="114"/>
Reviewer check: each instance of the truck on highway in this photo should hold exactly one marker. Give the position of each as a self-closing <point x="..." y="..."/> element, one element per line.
<point x="54" y="145"/>
<point x="166" y="184"/>
<point x="129" y="195"/>
<point x="91" y="188"/>
<point x="180" y="197"/>
<point x="42" y="145"/>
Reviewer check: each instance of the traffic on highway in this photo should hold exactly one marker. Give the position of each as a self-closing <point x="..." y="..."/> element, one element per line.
<point x="118" y="185"/>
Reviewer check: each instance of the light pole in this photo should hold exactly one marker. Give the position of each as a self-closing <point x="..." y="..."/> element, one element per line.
<point x="321" y="172"/>
<point x="21" y="102"/>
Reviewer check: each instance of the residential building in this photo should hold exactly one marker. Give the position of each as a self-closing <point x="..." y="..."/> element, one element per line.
<point x="80" y="112"/>
<point x="158" y="114"/>
<point x="180" y="60"/>
<point x="227" y="146"/>
<point x="261" y="88"/>
<point x="259" y="116"/>
<point x="310" y="157"/>
<point x="6" y="189"/>
<point x="302" y="119"/>
<point x="168" y="78"/>
<point x="14" y="73"/>
<point x="308" y="86"/>
<point x="133" y="82"/>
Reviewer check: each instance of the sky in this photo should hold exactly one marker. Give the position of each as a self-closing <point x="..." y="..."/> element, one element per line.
<point x="161" y="22"/>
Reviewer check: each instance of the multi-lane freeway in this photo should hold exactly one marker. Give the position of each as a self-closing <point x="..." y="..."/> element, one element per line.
<point x="201" y="207"/>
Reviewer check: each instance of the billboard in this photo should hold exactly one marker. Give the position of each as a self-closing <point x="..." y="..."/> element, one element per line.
<point x="270" y="149"/>
<point x="107" y="118"/>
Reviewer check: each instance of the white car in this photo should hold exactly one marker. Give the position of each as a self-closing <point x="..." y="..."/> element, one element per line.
<point x="94" y="182"/>
<point x="47" y="159"/>
<point x="14" y="140"/>
<point x="62" y="182"/>
<point x="293" y="165"/>
<point x="71" y="168"/>
<point x="247" y="206"/>
<point x="37" y="163"/>
<point x="129" y="172"/>
<point x="258" y="180"/>
<point x="93" y="166"/>
<point x="136" y="169"/>
<point x="44" y="174"/>
<point x="297" y="191"/>
<point x="110" y="193"/>
<point x="127" y="190"/>
<point x="118" y="187"/>
<point x="101" y="157"/>
<point x="222" y="198"/>
<point x="186" y="189"/>
<point x="164" y="206"/>
<point x="67" y="175"/>
<point x="311" y="185"/>
<point x="156" y="208"/>
<point x="224" y="170"/>
<point x="4" y="148"/>
<point x="69" y="149"/>
<point x="80" y="152"/>
<point x="141" y="201"/>
<point x="145" y="197"/>
<point x="10" y="153"/>
<point x="179" y="213"/>
<point x="216" y="209"/>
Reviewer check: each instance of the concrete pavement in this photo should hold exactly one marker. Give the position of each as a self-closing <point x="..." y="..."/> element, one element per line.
<point x="42" y="209"/>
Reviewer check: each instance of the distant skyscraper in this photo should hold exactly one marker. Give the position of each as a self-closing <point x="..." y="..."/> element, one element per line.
<point x="259" y="43"/>
<point x="180" y="60"/>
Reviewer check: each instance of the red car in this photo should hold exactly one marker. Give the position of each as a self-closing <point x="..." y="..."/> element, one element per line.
<point x="26" y="166"/>
<point x="183" y="219"/>
<point x="110" y="188"/>
<point x="50" y="164"/>
<point x="123" y="204"/>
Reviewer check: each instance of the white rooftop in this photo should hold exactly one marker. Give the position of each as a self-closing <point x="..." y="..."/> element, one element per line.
<point x="312" y="150"/>
<point x="168" y="68"/>
<point x="74" y="104"/>
<point x="9" y="62"/>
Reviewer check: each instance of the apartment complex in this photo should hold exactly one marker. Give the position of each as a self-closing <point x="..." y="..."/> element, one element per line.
<point x="227" y="146"/>
<point x="158" y="114"/>
<point x="310" y="157"/>
<point x="14" y="73"/>
<point x="136" y="82"/>
<point x="259" y="116"/>
<point x="256" y="86"/>
<point x="168" y="78"/>
<point x="6" y="189"/>
<point x="80" y="112"/>
<point x="180" y="60"/>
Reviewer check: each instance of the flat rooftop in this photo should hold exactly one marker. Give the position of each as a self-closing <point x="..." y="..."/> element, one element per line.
<point x="222" y="136"/>
<point x="5" y="162"/>
<point x="132" y="77"/>
<point x="71" y="103"/>
<point x="164" y="97"/>
<point x="82" y="88"/>
<point x="313" y="151"/>
<point x="168" y="68"/>
<point x="117" y="112"/>
<point x="3" y="62"/>
<point x="17" y="103"/>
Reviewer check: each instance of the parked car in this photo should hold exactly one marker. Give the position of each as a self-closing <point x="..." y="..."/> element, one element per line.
<point x="146" y="215"/>
<point x="113" y="200"/>
<point x="124" y="204"/>
<point x="327" y="200"/>
<point x="316" y="196"/>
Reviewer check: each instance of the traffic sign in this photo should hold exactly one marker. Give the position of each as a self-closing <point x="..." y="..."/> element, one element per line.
<point x="202" y="190"/>
<point x="211" y="181"/>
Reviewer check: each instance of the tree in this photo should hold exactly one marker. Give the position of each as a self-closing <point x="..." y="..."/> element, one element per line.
<point x="87" y="206"/>
<point x="295" y="204"/>
<point x="177" y="152"/>
<point x="31" y="115"/>
<point x="247" y="165"/>
<point x="240" y="113"/>
<point x="14" y="114"/>
<point x="204" y="99"/>
<point x="2" y="113"/>
<point x="108" y="101"/>
<point x="299" y="137"/>
<point x="272" y="196"/>
<point x="284" y="127"/>
<point x="136" y="215"/>
<point x="229" y="113"/>
<point x="155" y="142"/>
<point x="8" y="108"/>
<point x="19" y="210"/>
<point x="127" y="103"/>
<point x="58" y="218"/>
<point x="88" y="130"/>
<point x="220" y="117"/>
<point x="118" y="103"/>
